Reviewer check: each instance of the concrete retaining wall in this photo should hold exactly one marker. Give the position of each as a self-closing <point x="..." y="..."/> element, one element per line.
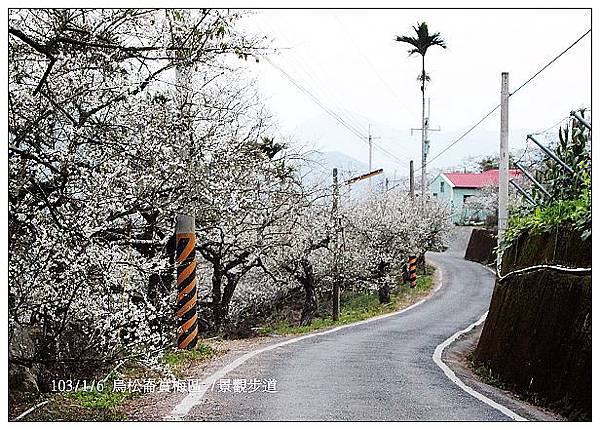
<point x="481" y="246"/>
<point x="538" y="334"/>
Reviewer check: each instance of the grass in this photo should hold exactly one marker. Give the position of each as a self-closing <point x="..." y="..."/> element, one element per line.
<point x="360" y="306"/>
<point x="181" y="360"/>
<point x="180" y="356"/>
<point x="106" y="399"/>
<point x="106" y="405"/>
<point x="486" y="375"/>
<point x="89" y="405"/>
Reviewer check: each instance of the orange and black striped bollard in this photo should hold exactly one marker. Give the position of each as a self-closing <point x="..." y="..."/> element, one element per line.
<point x="412" y="270"/>
<point x="187" y="312"/>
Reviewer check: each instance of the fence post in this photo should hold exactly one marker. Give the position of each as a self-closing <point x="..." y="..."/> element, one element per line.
<point x="522" y="192"/>
<point x="187" y="311"/>
<point x="581" y="120"/>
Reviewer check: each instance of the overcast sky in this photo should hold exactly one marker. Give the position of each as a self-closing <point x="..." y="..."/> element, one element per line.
<point x="349" y="60"/>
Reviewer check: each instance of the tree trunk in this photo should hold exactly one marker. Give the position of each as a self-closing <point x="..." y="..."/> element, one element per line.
<point x="310" y="298"/>
<point x="232" y="280"/>
<point x="217" y="281"/>
<point x="421" y="262"/>
<point x="384" y="293"/>
<point x="384" y="289"/>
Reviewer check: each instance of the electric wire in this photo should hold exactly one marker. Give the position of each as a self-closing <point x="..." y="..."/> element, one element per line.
<point x="536" y="74"/>
<point x="333" y="114"/>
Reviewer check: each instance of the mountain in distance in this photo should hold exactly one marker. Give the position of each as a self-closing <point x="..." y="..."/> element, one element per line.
<point x="316" y="170"/>
<point x="325" y="134"/>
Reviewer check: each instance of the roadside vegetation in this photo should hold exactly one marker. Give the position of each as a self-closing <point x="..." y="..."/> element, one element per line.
<point x="487" y="376"/>
<point x="180" y="361"/>
<point x="106" y="404"/>
<point x="357" y="306"/>
<point x="570" y="201"/>
<point x="541" y="322"/>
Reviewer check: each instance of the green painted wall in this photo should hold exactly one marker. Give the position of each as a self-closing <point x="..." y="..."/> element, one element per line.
<point x="455" y="197"/>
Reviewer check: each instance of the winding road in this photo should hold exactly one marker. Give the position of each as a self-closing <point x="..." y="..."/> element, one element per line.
<point x="378" y="371"/>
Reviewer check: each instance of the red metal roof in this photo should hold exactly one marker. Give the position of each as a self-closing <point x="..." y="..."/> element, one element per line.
<point x="476" y="180"/>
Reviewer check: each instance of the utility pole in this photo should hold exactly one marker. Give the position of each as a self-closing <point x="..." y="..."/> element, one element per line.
<point x="371" y="153"/>
<point x="337" y="233"/>
<point x="185" y="261"/>
<point x="425" y="129"/>
<point x="424" y="126"/>
<point x="336" y="246"/>
<point x="503" y="180"/>
<point x="185" y="232"/>
<point x="412" y="180"/>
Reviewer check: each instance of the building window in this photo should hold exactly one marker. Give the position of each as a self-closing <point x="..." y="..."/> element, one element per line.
<point x="466" y="197"/>
<point x="442" y="187"/>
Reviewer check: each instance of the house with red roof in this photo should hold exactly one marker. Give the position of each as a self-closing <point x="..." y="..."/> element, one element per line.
<point x="458" y="187"/>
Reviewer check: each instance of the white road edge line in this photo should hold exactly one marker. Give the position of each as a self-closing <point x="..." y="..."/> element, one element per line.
<point x="437" y="358"/>
<point x="192" y="399"/>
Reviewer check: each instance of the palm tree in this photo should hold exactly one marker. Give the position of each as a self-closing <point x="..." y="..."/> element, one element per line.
<point x="420" y="44"/>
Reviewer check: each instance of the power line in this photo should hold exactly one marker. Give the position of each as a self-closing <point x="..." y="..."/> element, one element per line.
<point x="551" y="61"/>
<point x="551" y="127"/>
<point x="345" y="118"/>
<point x="389" y="154"/>
<point x="300" y="64"/>
<point x="330" y="112"/>
<point x="514" y="92"/>
<point x="368" y="62"/>
<point x="462" y="136"/>
<point x="316" y="100"/>
<point x="385" y="147"/>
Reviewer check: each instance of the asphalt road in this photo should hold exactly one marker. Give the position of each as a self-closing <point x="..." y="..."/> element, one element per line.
<point x="382" y="370"/>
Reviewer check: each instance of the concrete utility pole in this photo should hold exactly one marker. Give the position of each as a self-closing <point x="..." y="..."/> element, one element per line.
<point x="337" y="227"/>
<point x="412" y="180"/>
<point x="185" y="261"/>
<point x="425" y="129"/>
<point x="336" y="246"/>
<point x="503" y="180"/>
<point x="424" y="125"/>
<point x="371" y="137"/>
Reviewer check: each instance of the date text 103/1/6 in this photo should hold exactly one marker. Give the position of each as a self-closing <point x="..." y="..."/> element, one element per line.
<point x="68" y="385"/>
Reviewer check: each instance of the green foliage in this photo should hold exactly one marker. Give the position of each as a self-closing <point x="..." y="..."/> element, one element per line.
<point x="575" y="213"/>
<point x="574" y="149"/>
<point x="360" y="306"/>
<point x="106" y="399"/>
<point x="491" y="162"/>
<point x="571" y="205"/>
<point x="423" y="40"/>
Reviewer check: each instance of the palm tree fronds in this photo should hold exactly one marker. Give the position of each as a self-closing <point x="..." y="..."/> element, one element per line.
<point x="423" y="41"/>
